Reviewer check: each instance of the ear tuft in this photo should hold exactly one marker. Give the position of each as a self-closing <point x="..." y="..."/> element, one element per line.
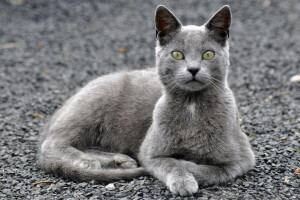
<point x="166" y="23"/>
<point x="220" y="23"/>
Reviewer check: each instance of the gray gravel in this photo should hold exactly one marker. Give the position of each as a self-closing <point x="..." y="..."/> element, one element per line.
<point x="58" y="46"/>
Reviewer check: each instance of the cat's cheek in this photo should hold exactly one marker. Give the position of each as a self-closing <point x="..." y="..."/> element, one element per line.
<point x="168" y="72"/>
<point x="214" y="67"/>
<point x="218" y="70"/>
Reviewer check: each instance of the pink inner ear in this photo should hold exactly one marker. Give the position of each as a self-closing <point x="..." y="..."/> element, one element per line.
<point x="162" y="23"/>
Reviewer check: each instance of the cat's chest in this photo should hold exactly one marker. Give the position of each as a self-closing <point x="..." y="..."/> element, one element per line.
<point x="191" y="109"/>
<point x="194" y="117"/>
<point x="200" y="141"/>
<point x="197" y="129"/>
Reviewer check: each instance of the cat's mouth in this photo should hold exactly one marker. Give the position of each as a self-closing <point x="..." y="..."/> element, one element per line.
<point x="191" y="83"/>
<point x="194" y="84"/>
<point x="193" y="80"/>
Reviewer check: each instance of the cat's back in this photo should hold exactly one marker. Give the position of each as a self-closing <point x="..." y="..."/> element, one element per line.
<point x="119" y="105"/>
<point x="116" y="88"/>
<point x="134" y="91"/>
<point x="119" y="92"/>
<point x="135" y="88"/>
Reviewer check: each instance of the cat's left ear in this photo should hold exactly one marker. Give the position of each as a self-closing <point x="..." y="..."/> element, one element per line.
<point x="219" y="24"/>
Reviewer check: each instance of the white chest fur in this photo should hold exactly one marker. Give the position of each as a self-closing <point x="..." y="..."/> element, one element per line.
<point x="192" y="108"/>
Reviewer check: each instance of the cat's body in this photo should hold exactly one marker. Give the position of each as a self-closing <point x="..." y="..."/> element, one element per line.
<point x="117" y="103"/>
<point x="110" y="114"/>
<point x="187" y="113"/>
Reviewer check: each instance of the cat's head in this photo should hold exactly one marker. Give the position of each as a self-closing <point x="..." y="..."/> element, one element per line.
<point x="192" y="58"/>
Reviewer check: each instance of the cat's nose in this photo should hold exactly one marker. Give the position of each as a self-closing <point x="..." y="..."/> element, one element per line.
<point x="193" y="70"/>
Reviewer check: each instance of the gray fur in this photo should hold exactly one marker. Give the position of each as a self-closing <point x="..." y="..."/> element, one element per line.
<point x="183" y="129"/>
<point x="110" y="114"/>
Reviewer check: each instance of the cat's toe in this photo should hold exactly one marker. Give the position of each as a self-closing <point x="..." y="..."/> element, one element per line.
<point x="125" y="162"/>
<point x="82" y="164"/>
<point x="185" y="186"/>
<point x="88" y="164"/>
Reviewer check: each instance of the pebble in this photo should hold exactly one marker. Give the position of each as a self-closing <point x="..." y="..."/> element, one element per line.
<point x="110" y="186"/>
<point x="295" y="78"/>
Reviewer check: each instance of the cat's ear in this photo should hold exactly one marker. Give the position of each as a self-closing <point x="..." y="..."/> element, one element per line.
<point x="166" y="24"/>
<point x="219" y="24"/>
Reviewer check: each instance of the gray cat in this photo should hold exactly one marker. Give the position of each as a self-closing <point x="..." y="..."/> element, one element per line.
<point x="181" y="125"/>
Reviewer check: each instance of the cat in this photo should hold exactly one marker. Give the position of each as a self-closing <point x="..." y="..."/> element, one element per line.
<point x="178" y="121"/>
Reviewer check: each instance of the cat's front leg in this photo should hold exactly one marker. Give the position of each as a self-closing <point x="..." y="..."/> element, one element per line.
<point x="215" y="174"/>
<point x="170" y="171"/>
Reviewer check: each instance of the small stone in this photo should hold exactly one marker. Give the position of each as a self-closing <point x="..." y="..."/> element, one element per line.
<point x="246" y="184"/>
<point x="82" y="185"/>
<point x="121" y="188"/>
<point x="296" y="171"/>
<point x="16" y="2"/>
<point x="295" y="79"/>
<point x="286" y="180"/>
<point x="110" y="186"/>
<point x="122" y="50"/>
<point x="296" y="185"/>
<point x="145" y="190"/>
<point x="37" y="115"/>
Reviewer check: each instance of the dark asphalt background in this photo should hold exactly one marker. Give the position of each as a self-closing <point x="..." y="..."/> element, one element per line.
<point x="49" y="49"/>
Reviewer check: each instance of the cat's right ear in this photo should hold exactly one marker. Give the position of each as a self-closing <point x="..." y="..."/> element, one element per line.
<point x="166" y="24"/>
<point x="219" y="24"/>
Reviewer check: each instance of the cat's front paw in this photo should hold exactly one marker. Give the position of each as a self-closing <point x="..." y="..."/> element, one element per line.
<point x="183" y="185"/>
<point x="123" y="161"/>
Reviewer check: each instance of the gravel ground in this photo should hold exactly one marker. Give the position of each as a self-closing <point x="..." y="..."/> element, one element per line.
<point x="49" y="49"/>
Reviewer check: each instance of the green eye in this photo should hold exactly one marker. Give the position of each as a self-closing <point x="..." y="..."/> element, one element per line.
<point x="177" y="55"/>
<point x="208" y="55"/>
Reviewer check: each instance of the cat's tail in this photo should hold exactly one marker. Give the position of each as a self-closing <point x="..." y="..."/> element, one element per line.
<point x="102" y="175"/>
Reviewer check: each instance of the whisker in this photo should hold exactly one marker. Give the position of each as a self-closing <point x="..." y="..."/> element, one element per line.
<point x="174" y="86"/>
<point x="215" y="86"/>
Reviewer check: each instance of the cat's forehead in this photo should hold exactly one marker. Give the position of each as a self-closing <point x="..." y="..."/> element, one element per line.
<point x="193" y="33"/>
<point x="192" y="37"/>
<point x="193" y="29"/>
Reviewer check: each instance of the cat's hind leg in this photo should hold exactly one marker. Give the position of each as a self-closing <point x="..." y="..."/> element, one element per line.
<point x="54" y="157"/>
<point x="112" y="160"/>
